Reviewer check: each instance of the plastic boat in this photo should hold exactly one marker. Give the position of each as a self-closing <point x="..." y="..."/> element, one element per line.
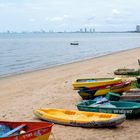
<point x="130" y="109"/>
<point x="86" y="93"/>
<point x="79" y="118"/>
<point x="94" y="82"/>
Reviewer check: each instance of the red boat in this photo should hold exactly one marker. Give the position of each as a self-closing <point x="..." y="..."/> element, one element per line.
<point x="105" y="86"/>
<point x="27" y="130"/>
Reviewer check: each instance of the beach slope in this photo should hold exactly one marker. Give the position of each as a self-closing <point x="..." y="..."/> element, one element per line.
<point x="52" y="88"/>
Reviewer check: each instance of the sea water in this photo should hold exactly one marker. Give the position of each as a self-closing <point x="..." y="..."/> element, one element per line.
<point x="31" y="51"/>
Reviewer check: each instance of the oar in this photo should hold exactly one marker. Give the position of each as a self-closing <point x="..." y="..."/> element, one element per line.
<point x="13" y="131"/>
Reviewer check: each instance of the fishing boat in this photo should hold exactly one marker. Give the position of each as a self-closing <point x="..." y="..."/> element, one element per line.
<point x="94" y="82"/>
<point x="90" y="93"/>
<point x="74" y="43"/>
<point x="25" y="130"/>
<point x="130" y="109"/>
<point x="132" y="95"/>
<point x="79" y="118"/>
<point x="127" y="72"/>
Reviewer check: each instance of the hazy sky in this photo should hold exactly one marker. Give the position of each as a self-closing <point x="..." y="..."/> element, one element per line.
<point x="59" y="15"/>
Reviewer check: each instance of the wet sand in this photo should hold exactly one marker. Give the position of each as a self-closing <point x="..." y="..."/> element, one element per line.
<point x="51" y="88"/>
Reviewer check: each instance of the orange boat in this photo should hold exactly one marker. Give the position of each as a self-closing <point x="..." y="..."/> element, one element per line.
<point x="27" y="130"/>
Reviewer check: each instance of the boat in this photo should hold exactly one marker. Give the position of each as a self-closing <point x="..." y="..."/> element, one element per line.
<point x="79" y="118"/>
<point x="90" y="93"/>
<point x="132" y="95"/>
<point x="25" y="130"/>
<point x="74" y="43"/>
<point x="127" y="72"/>
<point x="94" y="82"/>
<point x="130" y="109"/>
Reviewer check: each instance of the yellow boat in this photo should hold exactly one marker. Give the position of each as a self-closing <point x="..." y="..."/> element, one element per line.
<point x="91" y="93"/>
<point x="79" y="118"/>
<point x="94" y="82"/>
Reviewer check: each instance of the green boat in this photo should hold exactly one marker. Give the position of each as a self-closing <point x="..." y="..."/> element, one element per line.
<point x="130" y="109"/>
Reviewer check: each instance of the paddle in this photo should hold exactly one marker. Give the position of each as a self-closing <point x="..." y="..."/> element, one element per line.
<point x="13" y="131"/>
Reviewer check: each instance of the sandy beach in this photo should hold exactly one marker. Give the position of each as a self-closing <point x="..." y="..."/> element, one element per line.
<point x="52" y="88"/>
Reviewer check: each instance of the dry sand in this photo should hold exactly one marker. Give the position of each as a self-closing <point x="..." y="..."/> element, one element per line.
<point x="51" y="88"/>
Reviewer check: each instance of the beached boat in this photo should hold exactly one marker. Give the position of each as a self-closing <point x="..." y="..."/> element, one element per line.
<point x="25" y="130"/>
<point x="130" y="109"/>
<point x="90" y="93"/>
<point x="127" y="72"/>
<point x="79" y="118"/>
<point x="132" y="95"/>
<point x="94" y="82"/>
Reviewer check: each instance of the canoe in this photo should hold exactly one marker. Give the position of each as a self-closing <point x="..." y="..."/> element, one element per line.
<point x="86" y="93"/>
<point x="130" y="109"/>
<point x="94" y="82"/>
<point x="79" y="118"/>
<point x="25" y="130"/>
<point x="127" y="72"/>
<point x="132" y="95"/>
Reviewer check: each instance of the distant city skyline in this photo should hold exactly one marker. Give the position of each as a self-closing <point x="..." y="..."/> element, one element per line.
<point x="81" y="30"/>
<point x="64" y="15"/>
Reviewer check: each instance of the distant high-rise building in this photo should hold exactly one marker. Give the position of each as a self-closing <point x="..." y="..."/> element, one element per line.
<point x="137" y="28"/>
<point x="85" y="30"/>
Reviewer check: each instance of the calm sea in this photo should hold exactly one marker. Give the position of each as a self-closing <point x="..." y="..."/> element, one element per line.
<point x="27" y="52"/>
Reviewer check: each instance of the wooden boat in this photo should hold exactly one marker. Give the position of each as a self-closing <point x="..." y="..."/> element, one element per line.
<point x="79" y="118"/>
<point x="86" y="93"/>
<point x="130" y="109"/>
<point x="26" y="130"/>
<point x="94" y="82"/>
<point x="132" y="95"/>
<point x="127" y="72"/>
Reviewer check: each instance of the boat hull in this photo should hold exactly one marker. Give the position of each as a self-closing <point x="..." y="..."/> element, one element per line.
<point x="35" y="130"/>
<point x="132" y="95"/>
<point x="130" y="109"/>
<point x="127" y="72"/>
<point x="91" y="93"/>
<point x="115" y="120"/>
<point x="88" y="83"/>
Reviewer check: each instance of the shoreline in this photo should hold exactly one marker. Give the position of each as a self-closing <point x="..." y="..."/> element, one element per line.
<point x="60" y="65"/>
<point x="52" y="88"/>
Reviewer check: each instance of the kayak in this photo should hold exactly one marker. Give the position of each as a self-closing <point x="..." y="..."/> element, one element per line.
<point x="94" y="82"/>
<point x="87" y="93"/>
<point x="79" y="118"/>
<point x="25" y="130"/>
<point x="130" y="109"/>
